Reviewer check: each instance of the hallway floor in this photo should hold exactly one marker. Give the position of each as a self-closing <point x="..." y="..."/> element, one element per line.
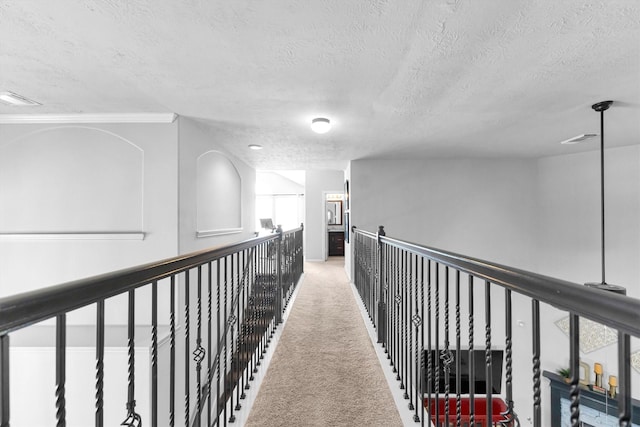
<point x="324" y="371"/>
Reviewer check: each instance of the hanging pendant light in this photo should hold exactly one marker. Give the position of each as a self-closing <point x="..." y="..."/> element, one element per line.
<point x="601" y="107"/>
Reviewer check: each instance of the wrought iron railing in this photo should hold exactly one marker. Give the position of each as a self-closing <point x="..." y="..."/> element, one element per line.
<point x="232" y="301"/>
<point x="413" y="296"/>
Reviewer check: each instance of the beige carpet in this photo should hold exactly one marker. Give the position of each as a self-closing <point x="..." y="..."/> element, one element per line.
<point x="324" y="371"/>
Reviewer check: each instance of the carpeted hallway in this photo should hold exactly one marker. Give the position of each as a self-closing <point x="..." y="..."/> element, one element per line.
<point x="324" y="371"/>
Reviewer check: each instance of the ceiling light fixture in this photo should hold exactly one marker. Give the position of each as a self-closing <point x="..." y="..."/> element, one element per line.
<point x="579" y="138"/>
<point x="255" y="146"/>
<point x="14" y="99"/>
<point x="320" y="125"/>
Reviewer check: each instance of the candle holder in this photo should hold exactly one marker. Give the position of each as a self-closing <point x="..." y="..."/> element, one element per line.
<point x="613" y="385"/>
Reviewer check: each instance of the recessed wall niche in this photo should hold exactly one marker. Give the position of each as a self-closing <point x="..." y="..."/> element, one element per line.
<point x="219" y="195"/>
<point x="71" y="180"/>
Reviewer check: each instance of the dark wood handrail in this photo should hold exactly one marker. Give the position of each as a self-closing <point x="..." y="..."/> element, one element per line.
<point x="615" y="310"/>
<point x="27" y="308"/>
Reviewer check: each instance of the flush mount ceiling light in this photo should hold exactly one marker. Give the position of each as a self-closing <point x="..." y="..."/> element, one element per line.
<point x="320" y="125"/>
<point x="14" y="99"/>
<point x="255" y="146"/>
<point x="578" y="139"/>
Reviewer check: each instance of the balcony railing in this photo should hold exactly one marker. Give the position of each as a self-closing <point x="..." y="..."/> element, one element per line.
<point x="415" y="297"/>
<point x="222" y="307"/>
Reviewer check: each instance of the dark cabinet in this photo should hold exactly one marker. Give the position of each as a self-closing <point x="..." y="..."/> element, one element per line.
<point x="336" y="243"/>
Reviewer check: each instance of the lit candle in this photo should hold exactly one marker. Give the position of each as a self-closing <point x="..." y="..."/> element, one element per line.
<point x="597" y="368"/>
<point x="613" y="381"/>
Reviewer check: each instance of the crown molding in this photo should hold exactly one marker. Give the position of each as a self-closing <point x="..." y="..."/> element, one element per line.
<point x="88" y="118"/>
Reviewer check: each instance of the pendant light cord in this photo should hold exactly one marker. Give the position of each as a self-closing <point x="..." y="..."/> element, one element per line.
<point x="602" y="190"/>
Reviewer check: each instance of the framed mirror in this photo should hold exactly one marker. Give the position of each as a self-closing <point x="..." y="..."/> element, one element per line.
<point x="334" y="212"/>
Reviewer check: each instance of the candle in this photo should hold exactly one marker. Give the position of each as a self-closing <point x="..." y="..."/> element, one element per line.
<point x="613" y="381"/>
<point x="597" y="368"/>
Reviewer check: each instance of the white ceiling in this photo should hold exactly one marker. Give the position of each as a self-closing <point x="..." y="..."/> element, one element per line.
<point x="401" y="79"/>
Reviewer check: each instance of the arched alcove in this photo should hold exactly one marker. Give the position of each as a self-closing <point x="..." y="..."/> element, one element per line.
<point x="71" y="180"/>
<point x="219" y="195"/>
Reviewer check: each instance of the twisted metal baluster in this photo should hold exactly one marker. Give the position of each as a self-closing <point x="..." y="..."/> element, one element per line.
<point x="458" y="351"/>
<point x="417" y="321"/>
<point x="187" y="345"/>
<point x="472" y="373"/>
<point x="5" y="400"/>
<point x="537" y="406"/>
<point x="403" y="323"/>
<point x="437" y="341"/>
<point x="100" y="363"/>
<point x="446" y="355"/>
<point x="509" y="415"/>
<point x="61" y="347"/>
<point x="133" y="419"/>
<point x="172" y="351"/>
<point x="209" y="338"/>
<point x="422" y="359"/>
<point x="409" y="267"/>
<point x="199" y="352"/>
<point x="219" y="367"/>
<point x="488" y="359"/>
<point x="154" y="354"/>
<point x="574" y="364"/>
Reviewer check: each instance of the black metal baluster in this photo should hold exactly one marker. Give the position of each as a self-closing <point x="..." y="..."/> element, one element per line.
<point x="397" y="300"/>
<point x="225" y="311"/>
<point x="239" y="293"/>
<point x="133" y="419"/>
<point x="154" y="354"/>
<point x="446" y="355"/>
<point x="209" y="338"/>
<point x="99" y="421"/>
<point x="472" y="358"/>
<point x="199" y="353"/>
<point x="402" y="346"/>
<point x="537" y="407"/>
<point x="458" y="351"/>
<point x="253" y="311"/>
<point x="410" y="332"/>
<point x="405" y="323"/>
<point x="488" y="361"/>
<point x="61" y="351"/>
<point x="429" y="366"/>
<point x="5" y="400"/>
<point x="574" y="366"/>
<point x="420" y="384"/>
<point x="509" y="414"/>
<point x="247" y="260"/>
<point x="172" y="351"/>
<point x="218" y="343"/>
<point x="437" y="343"/>
<point x="417" y="320"/>
<point x="624" y="375"/>
<point x="187" y="345"/>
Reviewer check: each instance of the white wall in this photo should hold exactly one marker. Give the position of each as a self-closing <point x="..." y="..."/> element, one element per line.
<point x="317" y="183"/>
<point x="196" y="140"/>
<point x="28" y="262"/>
<point x="482" y="208"/>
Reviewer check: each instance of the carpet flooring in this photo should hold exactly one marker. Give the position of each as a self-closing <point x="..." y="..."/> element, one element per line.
<point x="324" y="371"/>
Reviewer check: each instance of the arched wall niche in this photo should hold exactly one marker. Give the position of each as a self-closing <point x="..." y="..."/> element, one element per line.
<point x="219" y="195"/>
<point x="71" y="180"/>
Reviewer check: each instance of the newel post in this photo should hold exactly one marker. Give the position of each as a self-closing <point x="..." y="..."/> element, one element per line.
<point x="279" y="276"/>
<point x="382" y="306"/>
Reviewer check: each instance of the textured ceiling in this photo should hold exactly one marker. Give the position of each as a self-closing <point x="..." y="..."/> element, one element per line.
<point x="401" y="79"/>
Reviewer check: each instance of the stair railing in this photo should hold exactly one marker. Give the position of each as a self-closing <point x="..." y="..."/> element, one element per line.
<point x="245" y="282"/>
<point x="414" y="293"/>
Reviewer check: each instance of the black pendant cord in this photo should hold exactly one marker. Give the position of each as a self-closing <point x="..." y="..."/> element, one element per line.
<point x="602" y="190"/>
